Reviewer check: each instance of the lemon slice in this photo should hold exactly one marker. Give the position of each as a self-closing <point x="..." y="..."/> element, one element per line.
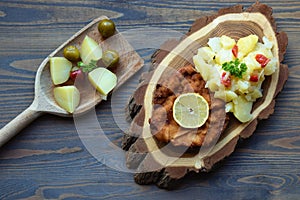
<point x="190" y="110"/>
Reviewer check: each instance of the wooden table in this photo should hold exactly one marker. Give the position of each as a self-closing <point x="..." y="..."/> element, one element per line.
<point x="47" y="160"/>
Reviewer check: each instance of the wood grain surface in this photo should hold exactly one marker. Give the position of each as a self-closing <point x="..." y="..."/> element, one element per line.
<point x="47" y="160"/>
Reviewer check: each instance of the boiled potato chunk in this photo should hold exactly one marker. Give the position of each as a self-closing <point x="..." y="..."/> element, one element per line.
<point x="251" y="63"/>
<point x="207" y="54"/>
<point x="267" y="43"/>
<point x="60" y="69"/>
<point x="247" y="44"/>
<point x="261" y="49"/>
<point x="208" y="73"/>
<point x="227" y="42"/>
<point x="224" y="56"/>
<point x="201" y="66"/>
<point x="67" y="97"/>
<point x="215" y="44"/>
<point x="229" y="107"/>
<point x="226" y="95"/>
<point x="103" y="80"/>
<point x="90" y="50"/>
<point x="243" y="86"/>
<point x="254" y="95"/>
<point x="242" y="109"/>
<point x="271" y="67"/>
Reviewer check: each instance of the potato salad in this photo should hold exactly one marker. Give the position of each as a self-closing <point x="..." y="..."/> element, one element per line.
<point x="235" y="70"/>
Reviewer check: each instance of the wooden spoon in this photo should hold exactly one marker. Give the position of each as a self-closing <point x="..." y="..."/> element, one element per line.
<point x="130" y="62"/>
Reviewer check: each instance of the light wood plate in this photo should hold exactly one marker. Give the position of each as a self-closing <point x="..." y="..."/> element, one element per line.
<point x="164" y="164"/>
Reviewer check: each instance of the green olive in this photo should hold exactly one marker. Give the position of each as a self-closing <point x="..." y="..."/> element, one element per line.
<point x="110" y="58"/>
<point x="106" y="28"/>
<point x="71" y="53"/>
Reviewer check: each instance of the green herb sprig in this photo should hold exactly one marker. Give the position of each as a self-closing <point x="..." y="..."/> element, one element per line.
<point x="235" y="68"/>
<point x="88" y="67"/>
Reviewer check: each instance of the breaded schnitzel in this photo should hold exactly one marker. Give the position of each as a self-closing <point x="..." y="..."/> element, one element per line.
<point x="163" y="126"/>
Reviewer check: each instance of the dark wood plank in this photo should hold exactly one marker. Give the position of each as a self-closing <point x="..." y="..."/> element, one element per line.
<point x="47" y="160"/>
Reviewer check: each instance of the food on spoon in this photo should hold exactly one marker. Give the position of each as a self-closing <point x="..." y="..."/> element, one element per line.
<point x="110" y="58"/>
<point x="90" y="50"/>
<point x="71" y="53"/>
<point x="76" y="73"/>
<point x="60" y="69"/>
<point x="87" y="67"/>
<point x="67" y="97"/>
<point x="236" y="71"/>
<point x="106" y="28"/>
<point x="76" y="64"/>
<point x="103" y="80"/>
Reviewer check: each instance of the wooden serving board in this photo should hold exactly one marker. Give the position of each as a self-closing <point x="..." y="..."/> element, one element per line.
<point x="143" y="151"/>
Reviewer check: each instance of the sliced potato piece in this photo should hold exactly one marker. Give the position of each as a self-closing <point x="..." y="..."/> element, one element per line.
<point x="202" y="67"/>
<point x="67" y="97"/>
<point x="247" y="44"/>
<point x="242" y="109"/>
<point x="207" y="54"/>
<point x="251" y="63"/>
<point x="215" y="44"/>
<point x="224" y="56"/>
<point x="103" y="80"/>
<point x="227" y="42"/>
<point x="271" y="67"/>
<point x="60" y="69"/>
<point x="226" y="95"/>
<point x="90" y="50"/>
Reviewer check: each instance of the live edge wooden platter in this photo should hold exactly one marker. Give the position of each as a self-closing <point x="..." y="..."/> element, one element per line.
<point x="163" y="168"/>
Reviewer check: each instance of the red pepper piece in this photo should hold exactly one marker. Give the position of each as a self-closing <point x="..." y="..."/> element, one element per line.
<point x="235" y="50"/>
<point x="254" y="78"/>
<point x="262" y="60"/>
<point x="76" y="74"/>
<point x="225" y="81"/>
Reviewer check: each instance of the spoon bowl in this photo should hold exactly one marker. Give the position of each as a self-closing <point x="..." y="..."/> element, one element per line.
<point x="129" y="63"/>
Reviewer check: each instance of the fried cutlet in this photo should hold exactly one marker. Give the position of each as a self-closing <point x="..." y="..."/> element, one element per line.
<point x="162" y="124"/>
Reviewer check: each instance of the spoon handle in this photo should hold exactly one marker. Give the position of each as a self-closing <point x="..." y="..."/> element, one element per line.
<point x="17" y="124"/>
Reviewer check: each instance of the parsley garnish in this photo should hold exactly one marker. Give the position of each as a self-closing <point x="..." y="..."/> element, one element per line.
<point x="88" y="67"/>
<point x="235" y="68"/>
